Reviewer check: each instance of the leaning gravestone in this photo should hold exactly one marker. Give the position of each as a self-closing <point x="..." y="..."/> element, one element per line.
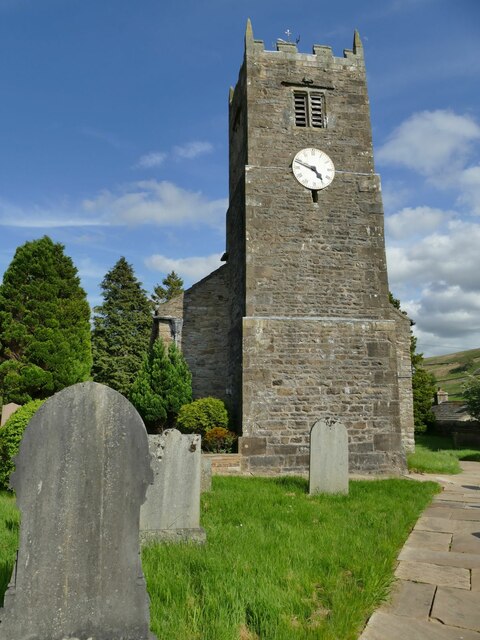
<point x="171" y="511"/>
<point x="7" y="411"/>
<point x="328" y="458"/>
<point x="81" y="476"/>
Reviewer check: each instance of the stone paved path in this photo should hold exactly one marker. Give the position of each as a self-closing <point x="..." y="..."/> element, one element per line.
<point x="437" y="594"/>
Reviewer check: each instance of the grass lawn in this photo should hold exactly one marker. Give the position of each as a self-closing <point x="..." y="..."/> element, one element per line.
<point x="434" y="454"/>
<point x="278" y="564"/>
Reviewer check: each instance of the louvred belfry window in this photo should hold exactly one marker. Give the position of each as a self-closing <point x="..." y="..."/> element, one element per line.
<point x="309" y="109"/>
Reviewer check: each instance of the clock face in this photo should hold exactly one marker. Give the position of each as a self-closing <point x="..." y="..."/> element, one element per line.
<point x="313" y="168"/>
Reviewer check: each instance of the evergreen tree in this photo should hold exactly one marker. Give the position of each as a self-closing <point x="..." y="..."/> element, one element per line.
<point x="173" y="286"/>
<point x="423" y="388"/>
<point x="423" y="383"/>
<point x="122" y="327"/>
<point x="162" y="386"/>
<point x="44" y="324"/>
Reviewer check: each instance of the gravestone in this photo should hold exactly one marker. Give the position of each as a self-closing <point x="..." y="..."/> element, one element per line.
<point x="8" y="410"/>
<point x="171" y="511"/>
<point x="328" y="458"/>
<point x="81" y="475"/>
<point x="206" y="475"/>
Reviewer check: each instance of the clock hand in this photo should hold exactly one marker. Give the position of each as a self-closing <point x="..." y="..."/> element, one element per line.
<point x="312" y="168"/>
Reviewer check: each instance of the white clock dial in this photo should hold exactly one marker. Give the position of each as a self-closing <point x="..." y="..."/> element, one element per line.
<point x="313" y="168"/>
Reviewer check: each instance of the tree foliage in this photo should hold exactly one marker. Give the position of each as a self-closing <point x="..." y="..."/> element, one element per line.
<point x="172" y="287"/>
<point x="162" y="386"/>
<point x="11" y="436"/>
<point x="471" y="393"/>
<point x="44" y="324"/>
<point x="122" y="327"/>
<point x="202" y="415"/>
<point x="423" y="383"/>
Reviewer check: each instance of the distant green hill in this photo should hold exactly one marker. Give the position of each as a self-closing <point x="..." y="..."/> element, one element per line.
<point x="452" y="370"/>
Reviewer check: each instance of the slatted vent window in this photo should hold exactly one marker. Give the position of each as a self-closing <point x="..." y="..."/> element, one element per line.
<point x="301" y="109"/>
<point x="309" y="109"/>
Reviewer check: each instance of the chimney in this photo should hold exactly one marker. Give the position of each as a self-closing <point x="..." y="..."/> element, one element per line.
<point x="441" y="396"/>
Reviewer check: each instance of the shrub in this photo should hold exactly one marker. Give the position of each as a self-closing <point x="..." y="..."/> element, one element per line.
<point x="202" y="415"/>
<point x="10" y="437"/>
<point x="219" y="440"/>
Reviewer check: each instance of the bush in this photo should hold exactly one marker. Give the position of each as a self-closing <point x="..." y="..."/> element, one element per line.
<point x="219" y="440"/>
<point x="202" y="415"/>
<point x="10" y="437"/>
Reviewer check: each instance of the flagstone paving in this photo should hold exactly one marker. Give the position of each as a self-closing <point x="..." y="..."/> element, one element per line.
<point x="437" y="593"/>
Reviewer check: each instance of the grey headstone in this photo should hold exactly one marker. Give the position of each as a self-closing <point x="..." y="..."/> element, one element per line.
<point x="172" y="508"/>
<point x="81" y="476"/>
<point x="328" y="458"/>
<point x="206" y="474"/>
<point x="8" y="410"/>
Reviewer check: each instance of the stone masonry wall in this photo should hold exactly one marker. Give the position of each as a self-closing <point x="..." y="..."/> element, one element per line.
<point x="297" y="371"/>
<point x="404" y="372"/>
<point x="319" y="338"/>
<point x="165" y="314"/>
<point x="205" y="334"/>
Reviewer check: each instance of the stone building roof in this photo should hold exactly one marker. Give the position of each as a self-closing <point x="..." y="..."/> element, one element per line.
<point x="451" y="411"/>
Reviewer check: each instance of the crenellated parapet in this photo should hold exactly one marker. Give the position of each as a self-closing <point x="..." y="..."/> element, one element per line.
<point x="320" y="53"/>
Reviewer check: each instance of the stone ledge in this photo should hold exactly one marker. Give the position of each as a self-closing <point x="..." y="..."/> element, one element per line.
<point x="197" y="536"/>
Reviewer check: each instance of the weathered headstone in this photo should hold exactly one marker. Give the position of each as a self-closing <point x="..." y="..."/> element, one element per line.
<point x="328" y="458"/>
<point x="171" y="511"/>
<point x="7" y="411"/>
<point x="206" y="474"/>
<point x="81" y="476"/>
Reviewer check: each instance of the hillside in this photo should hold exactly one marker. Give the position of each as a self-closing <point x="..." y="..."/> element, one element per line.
<point x="453" y="369"/>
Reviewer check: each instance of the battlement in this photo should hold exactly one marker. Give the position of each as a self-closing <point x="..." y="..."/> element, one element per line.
<point x="321" y="53"/>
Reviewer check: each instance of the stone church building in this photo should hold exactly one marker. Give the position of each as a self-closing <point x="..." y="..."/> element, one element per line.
<point x="296" y="325"/>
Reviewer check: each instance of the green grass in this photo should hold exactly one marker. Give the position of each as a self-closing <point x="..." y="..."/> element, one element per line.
<point x="9" y="522"/>
<point x="435" y="454"/>
<point x="278" y="564"/>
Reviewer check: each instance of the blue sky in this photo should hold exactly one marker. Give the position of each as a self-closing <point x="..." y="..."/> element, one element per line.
<point x="113" y="136"/>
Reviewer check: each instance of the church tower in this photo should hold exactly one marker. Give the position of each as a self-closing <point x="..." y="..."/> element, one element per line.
<point x="301" y="307"/>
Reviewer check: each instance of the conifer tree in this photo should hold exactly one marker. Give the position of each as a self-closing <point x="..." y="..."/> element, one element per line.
<point x="173" y="286"/>
<point x="44" y="324"/>
<point x="162" y="386"/>
<point x="122" y="327"/>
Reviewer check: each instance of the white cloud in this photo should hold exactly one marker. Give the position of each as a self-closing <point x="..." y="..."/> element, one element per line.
<point x="444" y="268"/>
<point x="45" y="217"/>
<point x="161" y="203"/>
<point x="469" y="181"/>
<point x="394" y="195"/>
<point x="143" y="202"/>
<point x="150" y="160"/>
<point x="447" y="312"/>
<point x="431" y="142"/>
<point x="194" y="268"/>
<point x="87" y="269"/>
<point x="191" y="150"/>
<point x="414" y="221"/>
<point x="451" y="257"/>
<point x="104" y="136"/>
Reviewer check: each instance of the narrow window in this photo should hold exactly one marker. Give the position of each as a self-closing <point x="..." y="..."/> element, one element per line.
<point x="309" y="109"/>
<point x="301" y="108"/>
<point x="316" y="110"/>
